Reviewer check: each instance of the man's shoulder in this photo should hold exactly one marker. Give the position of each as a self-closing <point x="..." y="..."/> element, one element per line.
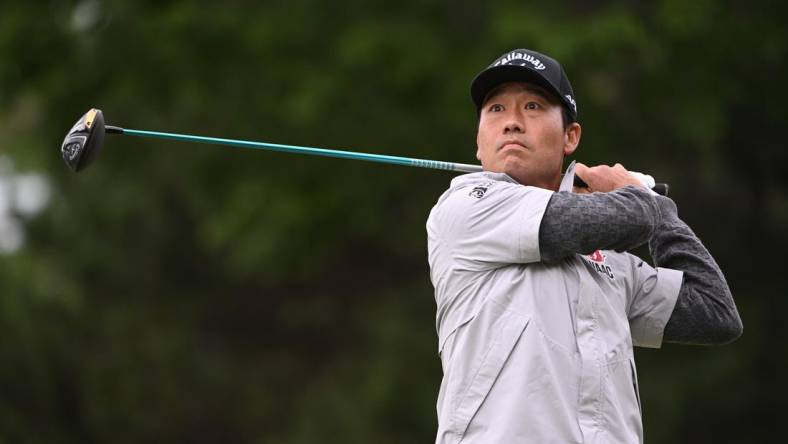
<point x="467" y="188"/>
<point x="477" y="185"/>
<point x="492" y="198"/>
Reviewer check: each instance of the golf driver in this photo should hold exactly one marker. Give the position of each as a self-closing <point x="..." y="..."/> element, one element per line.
<point x="85" y="139"/>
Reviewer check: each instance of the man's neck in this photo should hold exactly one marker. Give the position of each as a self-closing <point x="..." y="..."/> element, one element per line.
<point x="549" y="184"/>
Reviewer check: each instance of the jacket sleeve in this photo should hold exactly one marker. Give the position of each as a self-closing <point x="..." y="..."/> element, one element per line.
<point x="705" y="312"/>
<point x="583" y="223"/>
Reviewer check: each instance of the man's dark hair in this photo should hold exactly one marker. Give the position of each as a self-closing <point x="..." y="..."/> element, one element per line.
<point x="566" y="117"/>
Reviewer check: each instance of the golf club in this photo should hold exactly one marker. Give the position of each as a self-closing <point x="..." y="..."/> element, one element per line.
<point x="86" y="138"/>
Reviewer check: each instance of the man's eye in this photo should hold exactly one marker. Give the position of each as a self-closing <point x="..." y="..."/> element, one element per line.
<point x="532" y="105"/>
<point x="496" y="108"/>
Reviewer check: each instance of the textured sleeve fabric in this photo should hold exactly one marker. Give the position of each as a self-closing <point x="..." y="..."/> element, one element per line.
<point x="704" y="311"/>
<point x="583" y="223"/>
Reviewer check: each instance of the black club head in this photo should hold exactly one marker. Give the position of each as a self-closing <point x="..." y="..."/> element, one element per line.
<point x="84" y="140"/>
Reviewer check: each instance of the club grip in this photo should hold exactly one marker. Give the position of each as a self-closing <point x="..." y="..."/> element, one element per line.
<point x="659" y="188"/>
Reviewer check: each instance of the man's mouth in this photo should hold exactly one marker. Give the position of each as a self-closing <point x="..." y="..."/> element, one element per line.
<point x="512" y="144"/>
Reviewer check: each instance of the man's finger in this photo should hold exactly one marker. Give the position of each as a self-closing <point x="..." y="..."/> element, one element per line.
<point x="581" y="169"/>
<point x="620" y="168"/>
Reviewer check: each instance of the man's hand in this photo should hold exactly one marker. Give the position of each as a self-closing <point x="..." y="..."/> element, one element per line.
<point x="603" y="178"/>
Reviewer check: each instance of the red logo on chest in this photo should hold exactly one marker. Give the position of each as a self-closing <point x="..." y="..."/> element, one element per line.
<point x="597" y="256"/>
<point x="597" y="261"/>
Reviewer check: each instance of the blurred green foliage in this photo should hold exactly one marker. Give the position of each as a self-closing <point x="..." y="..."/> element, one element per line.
<point x="189" y="293"/>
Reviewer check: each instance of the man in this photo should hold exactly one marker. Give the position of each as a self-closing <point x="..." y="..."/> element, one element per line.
<point x="538" y="303"/>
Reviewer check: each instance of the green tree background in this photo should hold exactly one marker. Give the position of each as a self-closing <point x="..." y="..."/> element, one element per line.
<point x="189" y="293"/>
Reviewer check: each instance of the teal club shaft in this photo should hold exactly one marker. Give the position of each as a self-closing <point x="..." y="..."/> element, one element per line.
<point x="660" y="188"/>
<point x="380" y="158"/>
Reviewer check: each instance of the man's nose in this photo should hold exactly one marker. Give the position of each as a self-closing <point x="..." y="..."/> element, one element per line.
<point x="513" y="126"/>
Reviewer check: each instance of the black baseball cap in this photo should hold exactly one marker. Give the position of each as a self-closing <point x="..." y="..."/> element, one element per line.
<point x="524" y="65"/>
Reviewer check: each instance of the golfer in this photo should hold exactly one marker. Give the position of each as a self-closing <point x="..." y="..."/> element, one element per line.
<point x="538" y="302"/>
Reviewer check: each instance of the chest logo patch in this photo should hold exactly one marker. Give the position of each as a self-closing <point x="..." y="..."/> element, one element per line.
<point x="597" y="261"/>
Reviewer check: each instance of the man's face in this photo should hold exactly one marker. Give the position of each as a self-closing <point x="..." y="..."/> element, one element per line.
<point x="521" y="133"/>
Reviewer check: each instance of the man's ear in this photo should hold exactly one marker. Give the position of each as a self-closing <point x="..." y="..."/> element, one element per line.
<point x="572" y="138"/>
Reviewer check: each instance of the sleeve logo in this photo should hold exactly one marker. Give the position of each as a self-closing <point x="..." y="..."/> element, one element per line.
<point x="478" y="192"/>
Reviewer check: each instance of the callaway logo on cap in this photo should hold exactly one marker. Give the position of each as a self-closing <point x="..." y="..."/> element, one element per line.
<point x="524" y="65"/>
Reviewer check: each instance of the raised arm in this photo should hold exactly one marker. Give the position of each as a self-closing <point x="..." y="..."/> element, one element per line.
<point x="627" y="217"/>
<point x="582" y="223"/>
